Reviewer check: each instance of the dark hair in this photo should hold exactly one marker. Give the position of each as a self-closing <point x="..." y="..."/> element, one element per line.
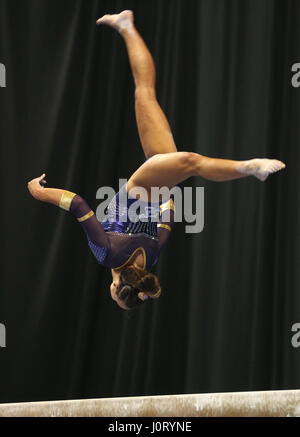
<point x="137" y="285"/>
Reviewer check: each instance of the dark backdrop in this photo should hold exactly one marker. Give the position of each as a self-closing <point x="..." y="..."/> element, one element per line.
<point x="232" y="292"/>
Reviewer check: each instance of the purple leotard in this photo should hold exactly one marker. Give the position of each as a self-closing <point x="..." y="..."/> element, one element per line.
<point x="116" y="238"/>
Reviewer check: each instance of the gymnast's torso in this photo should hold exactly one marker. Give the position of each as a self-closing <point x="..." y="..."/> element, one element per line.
<point x="124" y="235"/>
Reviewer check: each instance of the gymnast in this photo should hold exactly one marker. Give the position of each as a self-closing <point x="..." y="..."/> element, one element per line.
<point x="131" y="248"/>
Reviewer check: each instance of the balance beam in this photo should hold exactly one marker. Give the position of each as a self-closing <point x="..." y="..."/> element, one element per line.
<point x="283" y="403"/>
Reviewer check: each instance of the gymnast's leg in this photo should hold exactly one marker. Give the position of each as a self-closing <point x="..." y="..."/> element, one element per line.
<point x="172" y="168"/>
<point x="169" y="167"/>
<point x="154" y="130"/>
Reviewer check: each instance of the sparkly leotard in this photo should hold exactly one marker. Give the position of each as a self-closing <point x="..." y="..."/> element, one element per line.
<point x="116" y="239"/>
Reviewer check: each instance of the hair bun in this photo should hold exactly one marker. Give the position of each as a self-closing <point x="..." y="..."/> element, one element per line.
<point x="149" y="284"/>
<point x="137" y="285"/>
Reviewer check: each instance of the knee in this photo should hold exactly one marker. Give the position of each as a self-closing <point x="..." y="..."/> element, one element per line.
<point x="191" y="161"/>
<point x="144" y="93"/>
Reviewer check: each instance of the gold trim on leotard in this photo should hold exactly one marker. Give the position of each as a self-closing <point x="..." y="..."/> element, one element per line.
<point x="162" y="225"/>
<point x="86" y="217"/>
<point x="131" y="256"/>
<point x="66" y="200"/>
<point x="169" y="204"/>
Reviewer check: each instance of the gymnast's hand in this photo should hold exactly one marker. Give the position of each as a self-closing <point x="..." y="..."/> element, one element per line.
<point x="36" y="188"/>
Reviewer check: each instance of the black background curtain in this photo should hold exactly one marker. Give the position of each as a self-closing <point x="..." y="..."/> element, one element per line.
<point x="232" y="292"/>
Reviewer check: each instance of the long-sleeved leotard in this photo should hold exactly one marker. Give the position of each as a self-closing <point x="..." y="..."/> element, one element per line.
<point x="115" y="240"/>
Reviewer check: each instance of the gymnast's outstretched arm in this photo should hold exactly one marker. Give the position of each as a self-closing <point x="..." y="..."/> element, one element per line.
<point x="75" y="204"/>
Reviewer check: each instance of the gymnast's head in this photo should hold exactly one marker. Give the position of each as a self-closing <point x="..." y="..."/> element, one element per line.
<point x="133" y="286"/>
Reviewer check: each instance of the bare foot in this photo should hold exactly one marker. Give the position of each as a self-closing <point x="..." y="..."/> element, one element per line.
<point x="121" y="21"/>
<point x="262" y="168"/>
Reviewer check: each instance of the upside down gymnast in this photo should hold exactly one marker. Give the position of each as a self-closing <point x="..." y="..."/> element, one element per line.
<point x="128" y="248"/>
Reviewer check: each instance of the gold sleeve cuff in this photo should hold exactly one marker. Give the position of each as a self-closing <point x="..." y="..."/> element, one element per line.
<point x="66" y="200"/>
<point x="162" y="225"/>
<point x="86" y="216"/>
<point x="167" y="205"/>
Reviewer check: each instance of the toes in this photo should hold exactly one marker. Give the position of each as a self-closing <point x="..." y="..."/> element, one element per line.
<point x="265" y="167"/>
<point x="103" y="19"/>
<point x="277" y="165"/>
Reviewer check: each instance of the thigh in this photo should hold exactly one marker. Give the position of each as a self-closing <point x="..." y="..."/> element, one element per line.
<point x="163" y="170"/>
<point x="153" y="127"/>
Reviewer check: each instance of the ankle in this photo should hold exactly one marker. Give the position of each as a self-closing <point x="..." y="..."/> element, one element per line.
<point x="126" y="28"/>
<point x="245" y="167"/>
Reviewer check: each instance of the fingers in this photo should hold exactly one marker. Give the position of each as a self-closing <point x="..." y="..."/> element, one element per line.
<point x="42" y="179"/>
<point x="38" y="180"/>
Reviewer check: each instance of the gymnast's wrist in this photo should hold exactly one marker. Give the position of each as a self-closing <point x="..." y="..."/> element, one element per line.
<point x="37" y="193"/>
